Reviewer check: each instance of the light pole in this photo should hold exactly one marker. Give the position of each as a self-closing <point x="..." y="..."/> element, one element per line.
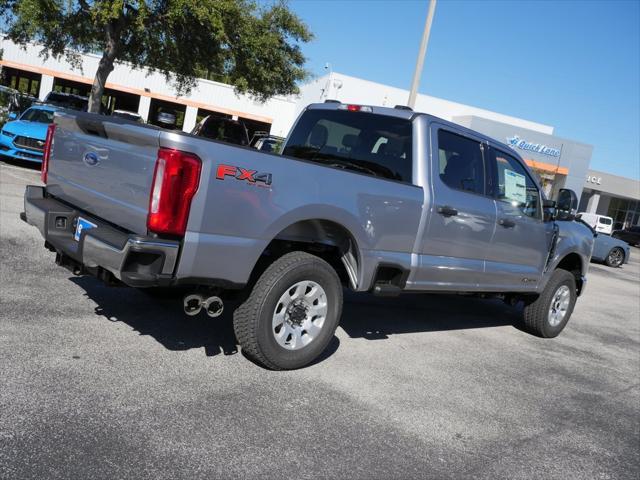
<point x="421" y="54"/>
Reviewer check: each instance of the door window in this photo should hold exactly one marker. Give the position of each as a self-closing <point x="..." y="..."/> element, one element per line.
<point x="515" y="185"/>
<point x="461" y="162"/>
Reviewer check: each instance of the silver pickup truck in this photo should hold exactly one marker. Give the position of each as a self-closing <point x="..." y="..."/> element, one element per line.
<point x="382" y="200"/>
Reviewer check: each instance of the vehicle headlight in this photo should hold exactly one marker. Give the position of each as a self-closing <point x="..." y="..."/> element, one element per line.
<point x="8" y="134"/>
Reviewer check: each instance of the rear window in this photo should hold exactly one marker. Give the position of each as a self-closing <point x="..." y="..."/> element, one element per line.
<point x="605" y="221"/>
<point x="376" y="145"/>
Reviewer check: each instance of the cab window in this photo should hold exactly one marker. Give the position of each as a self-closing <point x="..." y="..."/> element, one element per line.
<point x="461" y="162"/>
<point x="515" y="186"/>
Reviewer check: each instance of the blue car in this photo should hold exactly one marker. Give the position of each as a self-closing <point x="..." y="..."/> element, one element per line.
<point x="612" y="251"/>
<point x="23" y="139"/>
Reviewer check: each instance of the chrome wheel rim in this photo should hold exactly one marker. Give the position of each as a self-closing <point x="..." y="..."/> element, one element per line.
<point x="559" y="305"/>
<point x="299" y="315"/>
<point x="615" y="257"/>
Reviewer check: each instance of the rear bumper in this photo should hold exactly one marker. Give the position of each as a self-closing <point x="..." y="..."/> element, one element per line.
<point x="103" y="251"/>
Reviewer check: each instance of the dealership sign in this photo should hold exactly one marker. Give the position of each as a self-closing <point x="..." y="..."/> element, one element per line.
<point x="594" y="179"/>
<point x="517" y="142"/>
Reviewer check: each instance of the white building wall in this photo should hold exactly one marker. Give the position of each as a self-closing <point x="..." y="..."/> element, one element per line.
<point x="348" y="89"/>
<point x="212" y="95"/>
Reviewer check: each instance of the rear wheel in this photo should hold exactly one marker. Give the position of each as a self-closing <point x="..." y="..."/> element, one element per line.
<point x="615" y="257"/>
<point x="547" y="316"/>
<point x="291" y="313"/>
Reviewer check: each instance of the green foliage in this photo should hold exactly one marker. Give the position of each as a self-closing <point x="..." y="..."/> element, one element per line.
<point x="254" y="47"/>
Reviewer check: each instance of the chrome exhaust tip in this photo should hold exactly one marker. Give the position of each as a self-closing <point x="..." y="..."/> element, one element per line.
<point x="192" y="304"/>
<point x="213" y="306"/>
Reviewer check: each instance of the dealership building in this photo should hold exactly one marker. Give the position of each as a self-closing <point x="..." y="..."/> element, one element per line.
<point x="558" y="162"/>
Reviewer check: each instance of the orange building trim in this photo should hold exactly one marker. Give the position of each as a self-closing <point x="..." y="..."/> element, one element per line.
<point x="546" y="167"/>
<point x="135" y="91"/>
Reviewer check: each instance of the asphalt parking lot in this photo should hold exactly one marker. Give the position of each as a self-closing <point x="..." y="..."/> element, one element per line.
<point x="100" y="382"/>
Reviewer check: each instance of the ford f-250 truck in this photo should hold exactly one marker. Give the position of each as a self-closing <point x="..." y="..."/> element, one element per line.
<point x="382" y="200"/>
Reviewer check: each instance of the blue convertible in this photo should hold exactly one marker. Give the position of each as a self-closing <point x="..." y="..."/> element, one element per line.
<point x="23" y="139"/>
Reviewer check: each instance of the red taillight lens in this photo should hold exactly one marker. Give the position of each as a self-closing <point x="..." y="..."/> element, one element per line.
<point x="353" y="108"/>
<point x="175" y="182"/>
<point x="48" y="143"/>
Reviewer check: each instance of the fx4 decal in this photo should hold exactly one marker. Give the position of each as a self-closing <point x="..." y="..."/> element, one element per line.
<point x="239" y="173"/>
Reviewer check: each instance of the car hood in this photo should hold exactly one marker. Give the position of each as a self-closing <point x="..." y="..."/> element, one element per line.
<point x="28" y="129"/>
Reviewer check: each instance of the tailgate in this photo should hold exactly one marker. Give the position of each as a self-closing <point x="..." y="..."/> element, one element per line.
<point x="104" y="166"/>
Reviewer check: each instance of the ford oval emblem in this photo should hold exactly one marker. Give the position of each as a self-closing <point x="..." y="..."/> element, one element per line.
<point x="91" y="159"/>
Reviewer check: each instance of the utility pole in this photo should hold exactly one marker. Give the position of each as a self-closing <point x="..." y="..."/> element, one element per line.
<point x="421" y="54"/>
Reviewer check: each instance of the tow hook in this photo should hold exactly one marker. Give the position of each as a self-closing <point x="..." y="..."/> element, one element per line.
<point x="194" y="303"/>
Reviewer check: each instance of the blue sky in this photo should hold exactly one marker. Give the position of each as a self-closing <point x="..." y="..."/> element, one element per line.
<point x="571" y="64"/>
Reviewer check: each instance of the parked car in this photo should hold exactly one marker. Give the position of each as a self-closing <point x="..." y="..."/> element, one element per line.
<point x="223" y="129"/>
<point x="267" y="143"/>
<point x="612" y="251"/>
<point x="375" y="199"/>
<point x="128" y="115"/>
<point x="600" y="223"/>
<point x="67" y="100"/>
<point x="24" y="138"/>
<point x="630" y="235"/>
<point x="12" y="102"/>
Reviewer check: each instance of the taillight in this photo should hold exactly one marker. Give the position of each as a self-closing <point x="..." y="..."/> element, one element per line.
<point x="175" y="182"/>
<point x="48" y="143"/>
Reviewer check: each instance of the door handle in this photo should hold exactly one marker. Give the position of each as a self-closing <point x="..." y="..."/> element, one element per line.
<point x="506" y="223"/>
<point x="447" y="211"/>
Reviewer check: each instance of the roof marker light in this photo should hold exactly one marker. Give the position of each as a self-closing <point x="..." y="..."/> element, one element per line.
<point x="355" y="108"/>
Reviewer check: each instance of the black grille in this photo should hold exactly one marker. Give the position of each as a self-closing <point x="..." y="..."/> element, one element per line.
<point x="31" y="143"/>
<point x="35" y="156"/>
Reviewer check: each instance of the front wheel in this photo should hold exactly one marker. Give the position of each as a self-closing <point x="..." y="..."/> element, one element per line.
<point x="615" y="258"/>
<point x="547" y="316"/>
<point x="291" y="313"/>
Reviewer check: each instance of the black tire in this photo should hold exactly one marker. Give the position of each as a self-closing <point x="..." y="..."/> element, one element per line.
<point x="252" y="321"/>
<point x="537" y="318"/>
<point x="615" y="257"/>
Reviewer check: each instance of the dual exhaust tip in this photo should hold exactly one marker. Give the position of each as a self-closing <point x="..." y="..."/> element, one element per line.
<point x="193" y="304"/>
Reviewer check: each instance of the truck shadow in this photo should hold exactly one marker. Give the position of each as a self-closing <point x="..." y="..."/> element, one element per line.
<point x="162" y="318"/>
<point x="374" y="318"/>
<point x="364" y="316"/>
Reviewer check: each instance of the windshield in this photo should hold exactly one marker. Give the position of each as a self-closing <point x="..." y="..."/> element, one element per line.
<point x="37" y="115"/>
<point x="377" y="145"/>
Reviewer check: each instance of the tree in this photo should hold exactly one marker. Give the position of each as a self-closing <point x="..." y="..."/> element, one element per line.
<point x="255" y="48"/>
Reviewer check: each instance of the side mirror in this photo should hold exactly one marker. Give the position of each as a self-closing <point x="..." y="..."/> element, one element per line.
<point x="548" y="210"/>
<point x="566" y="205"/>
<point x="12" y="116"/>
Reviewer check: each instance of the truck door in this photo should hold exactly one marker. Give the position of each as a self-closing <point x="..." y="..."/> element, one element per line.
<point x="520" y="246"/>
<point x="462" y="215"/>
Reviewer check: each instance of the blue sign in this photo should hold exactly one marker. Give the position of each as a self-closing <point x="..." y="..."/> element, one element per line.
<point x="516" y="142"/>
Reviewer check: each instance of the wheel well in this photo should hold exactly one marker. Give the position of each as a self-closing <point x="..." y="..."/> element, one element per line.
<point x="572" y="263"/>
<point x="326" y="239"/>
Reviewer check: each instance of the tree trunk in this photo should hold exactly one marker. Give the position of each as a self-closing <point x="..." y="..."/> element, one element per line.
<point x="105" y="67"/>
